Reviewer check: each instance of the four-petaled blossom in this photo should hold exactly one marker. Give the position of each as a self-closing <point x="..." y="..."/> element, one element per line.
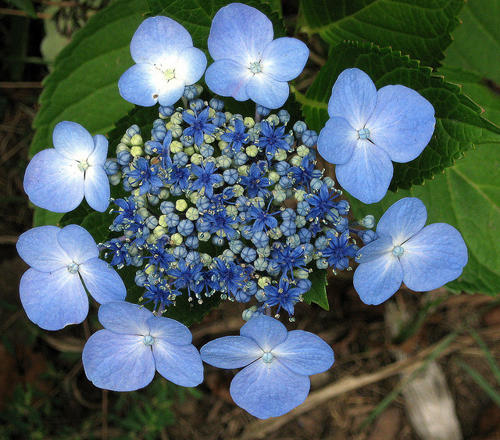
<point x="368" y="129"/>
<point x="277" y="365"/>
<point x="249" y="64"/>
<point x="424" y="258"/>
<point x="134" y="344"/>
<point x="166" y="62"/>
<point x="58" y="178"/>
<point x="52" y="292"/>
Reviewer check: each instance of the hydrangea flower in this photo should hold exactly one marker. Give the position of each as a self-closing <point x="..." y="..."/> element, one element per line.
<point x="424" y="258"/>
<point x="277" y="365"/>
<point x="368" y="129"/>
<point x="166" y="62"/>
<point x="134" y="344"/>
<point x="64" y="262"/>
<point x="58" y="178"/>
<point x="249" y="64"/>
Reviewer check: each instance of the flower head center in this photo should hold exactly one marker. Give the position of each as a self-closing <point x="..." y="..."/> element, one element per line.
<point x="364" y="133"/>
<point x="169" y="74"/>
<point x="148" y="340"/>
<point x="83" y="165"/>
<point x="267" y="357"/>
<point x="397" y="251"/>
<point x="73" y="267"/>
<point x="255" y="67"/>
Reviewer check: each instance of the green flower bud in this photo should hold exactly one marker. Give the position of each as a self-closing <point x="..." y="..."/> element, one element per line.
<point x="248" y="122"/>
<point x="273" y="120"/>
<point x="232" y="211"/>
<point x="280" y="154"/>
<point x="243" y="170"/>
<point x="222" y="145"/>
<point x="302" y="151"/>
<point x="228" y="116"/>
<point x="192" y="214"/>
<point x="150" y="269"/>
<point x="203" y="236"/>
<point x="263" y="282"/>
<point x="279" y="195"/>
<point x="181" y="205"/>
<point x="273" y="177"/>
<point x="143" y="212"/>
<point x="205" y="259"/>
<point x="300" y="221"/>
<point x="125" y="140"/>
<point x="176" y="239"/>
<point x="252" y="150"/>
<point x="141" y="201"/>
<point x="164" y="194"/>
<point x="301" y="274"/>
<point x="136" y="151"/>
<point x="115" y="179"/>
<point x="209" y="139"/>
<point x="162" y="222"/>
<point x="159" y="231"/>
<point x="175" y="147"/>
<point x="223" y="162"/>
<point x="238" y="190"/>
<point x="122" y="147"/>
<point x="176" y="131"/>
<point x="258" y="202"/>
<point x="196" y="159"/>
<point x="299" y="195"/>
<point x="176" y="118"/>
<point x="275" y="233"/>
<point x="136" y="140"/>
<point x="151" y="239"/>
<point x="189" y="150"/>
<point x="193" y="197"/>
<point x="295" y="161"/>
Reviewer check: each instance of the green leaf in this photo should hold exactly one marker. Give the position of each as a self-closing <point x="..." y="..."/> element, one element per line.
<point x="26" y="6"/>
<point x="459" y="125"/>
<point x="317" y="294"/>
<point x="476" y="42"/>
<point x="83" y="84"/>
<point x="419" y="28"/>
<point x="43" y="217"/>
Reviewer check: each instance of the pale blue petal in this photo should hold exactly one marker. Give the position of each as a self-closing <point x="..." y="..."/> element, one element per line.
<point x="402" y="122"/>
<point x="353" y="97"/>
<point x="239" y="32"/>
<point x="77" y="243"/>
<point x="337" y="141"/>
<point x="378" y="280"/>
<point x="53" y="300"/>
<point x="118" y="362"/>
<point x="231" y="352"/>
<point x="180" y="364"/>
<point x="141" y="84"/>
<point x="40" y="249"/>
<point x="304" y="353"/>
<point x="367" y="174"/>
<point x="403" y="219"/>
<point x="53" y="182"/>
<point x="191" y="65"/>
<point x="170" y="330"/>
<point x="433" y="257"/>
<point x="266" y="331"/>
<point x="124" y="317"/>
<point x="157" y="38"/>
<point x="228" y="78"/>
<point x="171" y="92"/>
<point x="96" y="186"/>
<point x="375" y="249"/>
<point x="266" y="91"/>
<point x="285" y="58"/>
<point x="269" y="389"/>
<point x="102" y="281"/>
<point x="100" y="153"/>
<point x="72" y="141"/>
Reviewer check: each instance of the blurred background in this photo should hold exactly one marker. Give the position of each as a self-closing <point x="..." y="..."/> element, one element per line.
<point x="419" y="366"/>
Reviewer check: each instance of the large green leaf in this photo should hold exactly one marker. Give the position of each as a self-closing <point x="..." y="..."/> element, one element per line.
<point x="459" y="125"/>
<point x="420" y="28"/>
<point x="317" y="293"/>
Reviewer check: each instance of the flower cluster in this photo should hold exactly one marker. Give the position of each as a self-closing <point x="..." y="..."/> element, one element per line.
<point x="216" y="203"/>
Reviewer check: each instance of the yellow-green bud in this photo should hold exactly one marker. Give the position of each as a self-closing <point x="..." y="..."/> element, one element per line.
<point x="135" y="192"/>
<point x="205" y="259"/>
<point x="162" y="222"/>
<point x="238" y="190"/>
<point x="176" y="131"/>
<point x="252" y="150"/>
<point x="181" y="205"/>
<point x="302" y="151"/>
<point x="296" y="161"/>
<point x="222" y="145"/>
<point x="192" y="214"/>
<point x="243" y="170"/>
<point x="176" y="239"/>
<point x="301" y="274"/>
<point x="203" y="236"/>
<point x="115" y="178"/>
<point x="189" y="150"/>
<point x="164" y="194"/>
<point x="223" y="162"/>
<point x="228" y="116"/>
<point x="274" y="177"/>
<point x="151" y="239"/>
<point x="125" y="139"/>
<point x="196" y="159"/>
<point x="169" y="125"/>
<point x="176" y="118"/>
<point x="275" y="233"/>
<point x="175" y="147"/>
<point x="248" y="122"/>
<point x="191" y="112"/>
<point x="150" y="269"/>
<point x="122" y="147"/>
<point x="143" y="212"/>
<point x="193" y="197"/>
<point x="263" y="282"/>
<point x="136" y="151"/>
<point x="136" y="140"/>
<point x="280" y="154"/>
<point x="208" y="138"/>
<point x="141" y="201"/>
<point x="258" y="202"/>
<point x="211" y="112"/>
<point x="232" y="211"/>
<point x="299" y="195"/>
<point x="273" y="119"/>
<point x="159" y="231"/>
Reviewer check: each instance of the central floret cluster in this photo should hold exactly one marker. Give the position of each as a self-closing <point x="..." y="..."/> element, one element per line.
<point x="223" y="204"/>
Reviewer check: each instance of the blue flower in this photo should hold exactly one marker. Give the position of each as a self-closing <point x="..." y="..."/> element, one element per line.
<point x="272" y="138"/>
<point x="199" y="125"/>
<point x="322" y="204"/>
<point x="228" y="277"/>
<point x="255" y="183"/>
<point x="277" y="365"/>
<point x="236" y="137"/>
<point x="178" y="176"/>
<point x="161" y="295"/>
<point x="166" y="63"/>
<point x="220" y="223"/>
<point x="288" y="258"/>
<point x="339" y="250"/>
<point x="206" y="178"/>
<point x="263" y="219"/>
<point x="305" y="172"/>
<point x="134" y="344"/>
<point x="58" y="178"/>
<point x="249" y="64"/>
<point x="368" y="129"/>
<point x="145" y="176"/>
<point x="284" y="295"/>
<point x="52" y="292"/>
<point x="186" y="276"/>
<point x="424" y="258"/>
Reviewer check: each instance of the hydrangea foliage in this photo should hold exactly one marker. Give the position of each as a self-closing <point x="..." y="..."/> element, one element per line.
<point x="215" y="203"/>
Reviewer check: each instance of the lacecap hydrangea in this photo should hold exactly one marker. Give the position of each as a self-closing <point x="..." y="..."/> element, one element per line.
<point x="214" y="202"/>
